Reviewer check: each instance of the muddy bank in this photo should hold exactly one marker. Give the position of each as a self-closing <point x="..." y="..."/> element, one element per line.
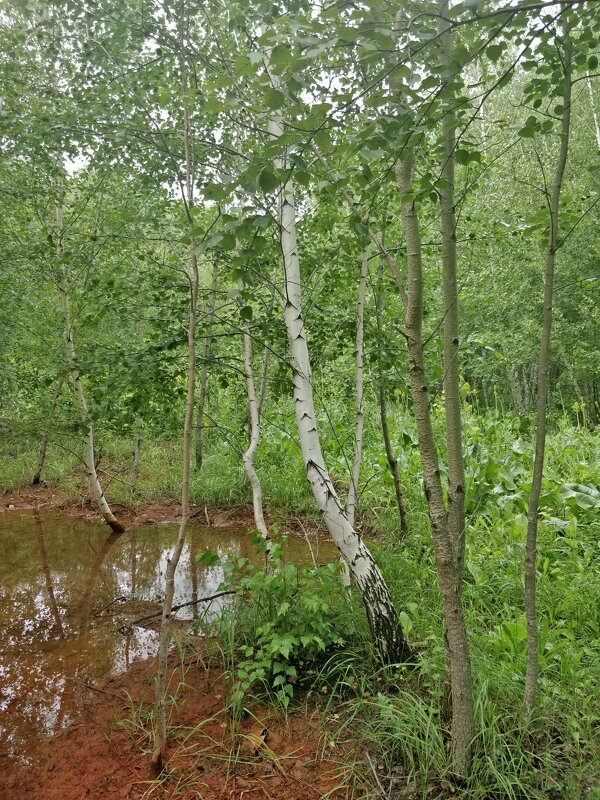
<point x="50" y="498"/>
<point x="79" y="607"/>
<point x="101" y="754"/>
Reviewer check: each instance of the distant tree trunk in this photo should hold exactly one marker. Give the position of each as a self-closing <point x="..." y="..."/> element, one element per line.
<point x="381" y="613"/>
<point x="359" y="416"/>
<point x="594" y="112"/>
<point x="138" y="433"/>
<point x="160" y="733"/>
<point x="389" y="450"/>
<point x="444" y="549"/>
<point x="254" y="438"/>
<point x="206" y="346"/>
<point x="44" y="442"/>
<point x="136" y="453"/>
<point x="90" y="464"/>
<point x="531" y="674"/>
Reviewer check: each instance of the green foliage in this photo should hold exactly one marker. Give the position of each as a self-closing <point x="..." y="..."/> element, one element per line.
<point x="287" y="622"/>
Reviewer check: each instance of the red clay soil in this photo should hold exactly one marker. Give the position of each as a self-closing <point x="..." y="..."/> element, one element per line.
<point x="101" y="754"/>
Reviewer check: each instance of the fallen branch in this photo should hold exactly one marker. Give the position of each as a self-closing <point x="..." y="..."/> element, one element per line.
<point x="182" y="605"/>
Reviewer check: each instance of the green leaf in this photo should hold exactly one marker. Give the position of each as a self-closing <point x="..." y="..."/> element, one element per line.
<point x="262" y="220"/>
<point x="208" y="559"/>
<point x="246" y="313"/>
<point x="592" y="63"/>
<point x="164" y="97"/>
<point x="526" y="133"/>
<point x="267" y="180"/>
<point x="494" y="51"/>
<point x="274" y="99"/>
<point x="280" y="55"/>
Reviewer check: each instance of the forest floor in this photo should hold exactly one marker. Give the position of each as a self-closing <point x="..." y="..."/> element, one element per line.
<point x="104" y="754"/>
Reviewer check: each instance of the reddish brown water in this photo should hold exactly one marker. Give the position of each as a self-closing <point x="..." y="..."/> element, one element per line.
<point x="65" y="589"/>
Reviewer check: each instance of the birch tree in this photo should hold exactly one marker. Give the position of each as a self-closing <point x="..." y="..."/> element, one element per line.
<point x="96" y="490"/>
<point x="381" y="613"/>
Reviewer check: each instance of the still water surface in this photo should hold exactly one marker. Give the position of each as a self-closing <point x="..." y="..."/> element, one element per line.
<point x="61" y="579"/>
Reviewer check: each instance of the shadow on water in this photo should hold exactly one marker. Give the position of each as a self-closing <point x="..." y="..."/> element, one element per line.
<point x="57" y="580"/>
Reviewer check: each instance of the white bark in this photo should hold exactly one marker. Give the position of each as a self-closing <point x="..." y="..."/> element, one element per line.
<point x="90" y="465"/>
<point x="383" y="619"/>
<point x="248" y="458"/>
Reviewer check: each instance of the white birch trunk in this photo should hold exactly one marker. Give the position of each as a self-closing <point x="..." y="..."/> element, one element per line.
<point x="383" y="618"/>
<point x="90" y="465"/>
<point x="249" y="454"/>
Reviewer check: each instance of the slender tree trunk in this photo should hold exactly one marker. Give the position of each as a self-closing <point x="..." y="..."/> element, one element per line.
<point x="389" y="450"/>
<point x="90" y="464"/>
<point x="351" y="502"/>
<point x="206" y="345"/>
<point x="253" y="413"/>
<point x="451" y="341"/>
<point x="44" y="442"/>
<point x="264" y="377"/>
<point x="457" y="640"/>
<point x="542" y="391"/>
<point x="160" y="733"/>
<point x="381" y="613"/>
<point x="136" y="453"/>
<point x="138" y="435"/>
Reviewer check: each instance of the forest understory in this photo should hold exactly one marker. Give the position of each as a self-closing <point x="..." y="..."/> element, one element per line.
<point x="300" y="399"/>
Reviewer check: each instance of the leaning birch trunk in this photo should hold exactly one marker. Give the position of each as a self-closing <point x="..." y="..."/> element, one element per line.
<point x="37" y="475"/>
<point x="451" y="341"/>
<point x="530" y="576"/>
<point x="160" y="733"/>
<point x="389" y="450"/>
<point x="248" y="458"/>
<point x="199" y="443"/>
<point x="351" y="502"/>
<point x="456" y="632"/>
<point x="90" y="464"/>
<point x="382" y="616"/>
